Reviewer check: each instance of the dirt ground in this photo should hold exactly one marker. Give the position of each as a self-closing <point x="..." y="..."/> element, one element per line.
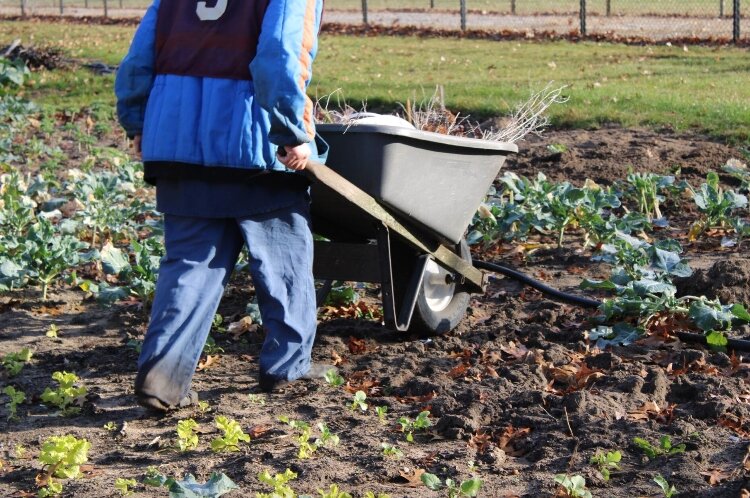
<point x="503" y="402"/>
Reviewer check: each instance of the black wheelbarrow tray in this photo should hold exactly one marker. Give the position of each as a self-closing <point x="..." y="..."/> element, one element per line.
<point x="393" y="205"/>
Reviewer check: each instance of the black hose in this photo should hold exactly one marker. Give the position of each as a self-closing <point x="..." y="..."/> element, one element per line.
<point x="732" y="344"/>
<point x="522" y="277"/>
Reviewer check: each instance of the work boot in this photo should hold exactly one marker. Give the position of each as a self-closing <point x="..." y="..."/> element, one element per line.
<point x="153" y="403"/>
<point x="317" y="371"/>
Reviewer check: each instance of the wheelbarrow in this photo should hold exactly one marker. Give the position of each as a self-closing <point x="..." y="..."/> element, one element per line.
<point x="391" y="206"/>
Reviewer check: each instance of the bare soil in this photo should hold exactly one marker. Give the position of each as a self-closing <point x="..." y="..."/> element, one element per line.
<point x="516" y="394"/>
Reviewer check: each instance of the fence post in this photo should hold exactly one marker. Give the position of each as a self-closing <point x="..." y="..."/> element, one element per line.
<point x="609" y="8"/>
<point x="463" y="15"/>
<point x="583" y="17"/>
<point x="736" y="22"/>
<point x="23" y="8"/>
<point x="721" y="9"/>
<point x="106" y="10"/>
<point x="432" y="4"/>
<point x="364" y="12"/>
<point x="513" y="7"/>
<point x="61" y="7"/>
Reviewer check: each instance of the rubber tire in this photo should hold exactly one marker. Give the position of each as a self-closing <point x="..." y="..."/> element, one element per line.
<point x="426" y="322"/>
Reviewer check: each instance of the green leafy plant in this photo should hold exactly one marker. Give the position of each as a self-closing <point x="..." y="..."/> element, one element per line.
<point x="123" y="486"/>
<point x="327" y="438"/>
<point x="715" y="204"/>
<point x="187" y="439"/>
<point x="391" y="450"/>
<point x="217" y="485"/>
<point x="256" y="399"/>
<point x="13" y="72"/>
<point x="408" y="426"/>
<point x="16" y="398"/>
<point x="381" y="412"/>
<point x="232" y="435"/>
<point x="279" y="483"/>
<point x="14" y="362"/>
<point x="52" y="331"/>
<point x="666" y="488"/>
<point x="110" y="426"/>
<point x="204" y="407"/>
<point x="606" y="462"/>
<point x="333" y="378"/>
<point x="333" y="492"/>
<point x="67" y="397"/>
<point x="573" y="486"/>
<point x="453" y="489"/>
<point x="153" y="477"/>
<point x="358" y="401"/>
<point x="53" y="488"/>
<point x="664" y="448"/>
<point x="63" y="456"/>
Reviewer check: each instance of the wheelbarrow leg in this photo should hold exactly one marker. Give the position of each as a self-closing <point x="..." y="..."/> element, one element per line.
<point x="399" y="300"/>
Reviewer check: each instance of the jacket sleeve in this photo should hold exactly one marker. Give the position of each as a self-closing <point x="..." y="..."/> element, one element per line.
<point x="282" y="68"/>
<point x="135" y="76"/>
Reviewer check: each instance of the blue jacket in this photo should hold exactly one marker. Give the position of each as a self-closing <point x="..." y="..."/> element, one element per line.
<point x="225" y="122"/>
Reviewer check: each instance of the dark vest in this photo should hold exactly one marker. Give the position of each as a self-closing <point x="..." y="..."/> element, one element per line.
<point x="214" y="38"/>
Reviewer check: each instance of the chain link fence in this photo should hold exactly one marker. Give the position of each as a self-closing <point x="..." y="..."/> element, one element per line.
<point x="686" y="20"/>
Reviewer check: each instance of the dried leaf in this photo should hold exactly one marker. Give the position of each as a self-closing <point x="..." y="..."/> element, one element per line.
<point x="413" y="477"/>
<point x="416" y="399"/>
<point x="459" y="370"/>
<point x="242" y="326"/>
<point x="337" y="359"/>
<point x="481" y="441"/>
<point x="515" y="351"/>
<point x="510" y="438"/>
<point x="209" y="361"/>
<point x="715" y="476"/>
<point x="356" y="346"/>
<point x="257" y="431"/>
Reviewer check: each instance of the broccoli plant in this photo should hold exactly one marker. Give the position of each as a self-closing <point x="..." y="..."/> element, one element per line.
<point x="358" y="401"/>
<point x="67" y="397"/>
<point x="279" y="483"/>
<point x="453" y="489"/>
<point x="422" y="422"/>
<point x="606" y="462"/>
<point x="123" y="486"/>
<point x="715" y="204"/>
<point x="573" y="486"/>
<point x="664" y="448"/>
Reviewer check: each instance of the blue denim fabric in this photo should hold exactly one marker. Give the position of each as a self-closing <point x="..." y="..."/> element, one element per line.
<point x="200" y="256"/>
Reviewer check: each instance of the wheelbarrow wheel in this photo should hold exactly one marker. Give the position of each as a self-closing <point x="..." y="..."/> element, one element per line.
<point x="441" y="305"/>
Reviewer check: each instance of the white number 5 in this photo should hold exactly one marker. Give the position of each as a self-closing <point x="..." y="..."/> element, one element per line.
<point x="211" y="13"/>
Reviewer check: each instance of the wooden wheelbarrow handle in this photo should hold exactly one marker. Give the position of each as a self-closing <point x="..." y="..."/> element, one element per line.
<point x="323" y="174"/>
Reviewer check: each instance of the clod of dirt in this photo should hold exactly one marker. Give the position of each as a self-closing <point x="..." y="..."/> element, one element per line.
<point x="727" y="280"/>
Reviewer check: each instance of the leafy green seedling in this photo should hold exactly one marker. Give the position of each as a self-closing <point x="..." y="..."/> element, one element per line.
<point x="232" y="435"/>
<point x="187" y="439"/>
<point x="370" y="494"/>
<point x="217" y="324"/>
<point x="66" y="395"/>
<point x="606" y="462"/>
<point x="327" y="438"/>
<point x="333" y="378"/>
<point x="333" y="492"/>
<point x="468" y="488"/>
<point x="665" y="447"/>
<point x="204" y="407"/>
<point x="666" y="488"/>
<point x="14" y="362"/>
<point x="136" y="345"/>
<point x="110" y="426"/>
<point x="64" y="455"/>
<point x="256" y="399"/>
<point x="381" y="412"/>
<point x="422" y="422"/>
<point x="154" y="478"/>
<point x="123" y="486"/>
<point x="279" y="484"/>
<point x="715" y="204"/>
<point x="306" y="448"/>
<point x="573" y="486"/>
<point x="52" y="331"/>
<point x="211" y="348"/>
<point x="16" y="398"/>
<point x="358" y="401"/>
<point x="20" y="451"/>
<point x="53" y="488"/>
<point x="391" y="450"/>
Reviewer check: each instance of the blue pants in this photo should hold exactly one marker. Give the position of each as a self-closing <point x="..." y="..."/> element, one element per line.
<point x="200" y="256"/>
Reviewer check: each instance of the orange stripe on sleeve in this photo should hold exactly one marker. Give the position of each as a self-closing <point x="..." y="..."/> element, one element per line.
<point x="308" y="39"/>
